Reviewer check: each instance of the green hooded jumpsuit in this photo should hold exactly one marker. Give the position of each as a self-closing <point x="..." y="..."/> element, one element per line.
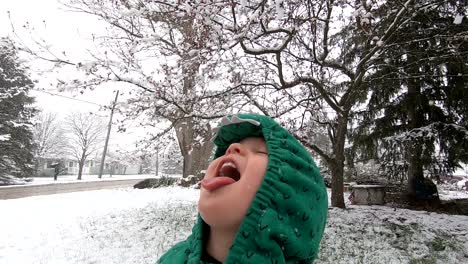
<point x="286" y="220"/>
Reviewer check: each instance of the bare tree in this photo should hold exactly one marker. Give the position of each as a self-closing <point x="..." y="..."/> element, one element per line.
<point x="49" y="137"/>
<point x="310" y="61"/>
<point x="166" y="52"/>
<point x="86" y="136"/>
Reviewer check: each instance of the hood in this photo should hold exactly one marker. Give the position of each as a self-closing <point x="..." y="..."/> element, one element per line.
<point x="286" y="220"/>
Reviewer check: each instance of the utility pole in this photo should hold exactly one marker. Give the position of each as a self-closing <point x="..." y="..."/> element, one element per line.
<point x="157" y="162"/>
<point x="109" y="126"/>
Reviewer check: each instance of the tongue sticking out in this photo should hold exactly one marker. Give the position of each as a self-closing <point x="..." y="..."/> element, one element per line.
<point x="217" y="182"/>
<point x="228" y="174"/>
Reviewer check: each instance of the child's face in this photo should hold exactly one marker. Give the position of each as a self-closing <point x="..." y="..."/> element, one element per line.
<point x="224" y="202"/>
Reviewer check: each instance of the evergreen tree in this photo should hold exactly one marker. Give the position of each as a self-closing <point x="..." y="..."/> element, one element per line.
<point x="16" y="143"/>
<point x="415" y="122"/>
<point x="171" y="160"/>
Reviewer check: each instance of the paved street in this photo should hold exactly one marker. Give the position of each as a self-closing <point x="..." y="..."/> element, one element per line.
<point x="19" y="191"/>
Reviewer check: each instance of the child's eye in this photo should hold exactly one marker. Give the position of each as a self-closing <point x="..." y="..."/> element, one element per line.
<point x="262" y="152"/>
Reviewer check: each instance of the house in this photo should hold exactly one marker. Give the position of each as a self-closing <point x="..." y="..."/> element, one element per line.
<point x="45" y="167"/>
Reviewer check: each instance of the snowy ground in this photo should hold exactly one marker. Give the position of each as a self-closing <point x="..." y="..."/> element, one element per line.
<point x="456" y="190"/>
<point x="137" y="226"/>
<point x="105" y="226"/>
<point x="452" y="195"/>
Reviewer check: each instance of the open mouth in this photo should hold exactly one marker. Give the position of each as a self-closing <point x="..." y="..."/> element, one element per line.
<point x="227" y="174"/>
<point x="229" y="169"/>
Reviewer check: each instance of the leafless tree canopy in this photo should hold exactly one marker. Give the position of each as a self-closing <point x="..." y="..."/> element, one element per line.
<point x="86" y="136"/>
<point x="49" y="136"/>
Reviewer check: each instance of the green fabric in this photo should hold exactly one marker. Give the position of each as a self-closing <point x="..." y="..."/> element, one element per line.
<point x="287" y="217"/>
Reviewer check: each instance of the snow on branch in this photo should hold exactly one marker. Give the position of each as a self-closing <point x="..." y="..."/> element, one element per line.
<point x="5" y="137"/>
<point x="428" y="132"/>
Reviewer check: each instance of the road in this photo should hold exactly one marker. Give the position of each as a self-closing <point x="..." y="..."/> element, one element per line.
<point x="19" y="191"/>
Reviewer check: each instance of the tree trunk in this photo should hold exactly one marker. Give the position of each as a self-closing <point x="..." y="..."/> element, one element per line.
<point x="337" y="197"/>
<point x="80" y="169"/>
<point x="415" y="120"/>
<point x="415" y="170"/>
<point x="195" y="154"/>
<point x="337" y="163"/>
<point x="37" y="162"/>
<point x="198" y="159"/>
<point x="157" y="163"/>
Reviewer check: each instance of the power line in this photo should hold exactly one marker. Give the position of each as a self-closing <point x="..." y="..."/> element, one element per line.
<point x="70" y="98"/>
<point x="75" y="99"/>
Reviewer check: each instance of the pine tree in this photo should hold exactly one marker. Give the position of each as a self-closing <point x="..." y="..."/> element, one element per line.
<point x="16" y="143"/>
<point x="171" y="160"/>
<point x="415" y="122"/>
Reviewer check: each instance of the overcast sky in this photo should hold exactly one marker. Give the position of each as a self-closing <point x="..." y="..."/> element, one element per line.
<point x="65" y="31"/>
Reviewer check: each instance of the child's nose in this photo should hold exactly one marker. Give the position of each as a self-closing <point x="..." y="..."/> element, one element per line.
<point x="235" y="148"/>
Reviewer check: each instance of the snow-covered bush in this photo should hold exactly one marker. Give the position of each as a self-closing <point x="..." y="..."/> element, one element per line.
<point x="364" y="172"/>
<point x="11" y="180"/>
<point x="163" y="181"/>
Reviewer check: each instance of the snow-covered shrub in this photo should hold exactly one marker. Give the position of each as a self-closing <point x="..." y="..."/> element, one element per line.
<point x="163" y="181"/>
<point x="166" y="181"/>
<point x="11" y="180"/>
<point x="191" y="181"/>
<point x="364" y="172"/>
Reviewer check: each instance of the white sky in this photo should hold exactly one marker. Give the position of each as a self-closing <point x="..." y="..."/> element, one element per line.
<point x="65" y="31"/>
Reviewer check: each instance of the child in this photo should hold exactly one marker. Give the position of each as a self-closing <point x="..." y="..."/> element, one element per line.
<point x="262" y="199"/>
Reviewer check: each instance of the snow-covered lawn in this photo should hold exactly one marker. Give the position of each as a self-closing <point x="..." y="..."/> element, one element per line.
<point x="137" y="226"/>
<point x="105" y="226"/>
<point x="377" y="234"/>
